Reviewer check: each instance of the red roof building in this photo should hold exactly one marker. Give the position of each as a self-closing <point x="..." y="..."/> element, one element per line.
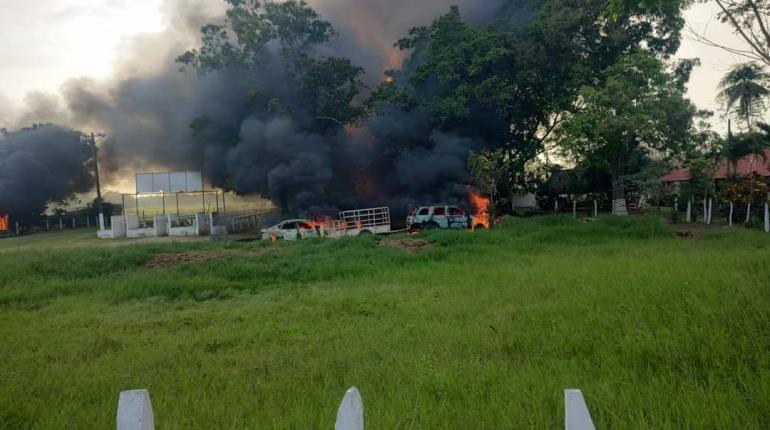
<point x="752" y="163"/>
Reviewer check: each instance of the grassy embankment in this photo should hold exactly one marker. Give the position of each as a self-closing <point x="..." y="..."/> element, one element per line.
<point x="480" y="331"/>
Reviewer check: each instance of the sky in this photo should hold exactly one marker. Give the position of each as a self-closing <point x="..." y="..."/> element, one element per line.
<point x="43" y="43"/>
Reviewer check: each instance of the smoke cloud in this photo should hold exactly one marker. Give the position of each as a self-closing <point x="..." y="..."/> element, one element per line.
<point x="39" y="165"/>
<point x="157" y="117"/>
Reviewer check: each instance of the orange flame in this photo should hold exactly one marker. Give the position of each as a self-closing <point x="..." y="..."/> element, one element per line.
<point x="480" y="205"/>
<point x="4" y="222"/>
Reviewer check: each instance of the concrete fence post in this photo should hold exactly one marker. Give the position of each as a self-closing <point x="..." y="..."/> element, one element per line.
<point x="61" y="224"/>
<point x="767" y="218"/>
<point x="576" y="415"/>
<point x="574" y="209"/>
<point x="135" y="411"/>
<point x="676" y="205"/>
<point x="596" y="209"/>
<point x="18" y="229"/>
<point x="732" y="209"/>
<point x="73" y="223"/>
<point x="350" y="415"/>
<point x="689" y="211"/>
<point x="47" y="224"/>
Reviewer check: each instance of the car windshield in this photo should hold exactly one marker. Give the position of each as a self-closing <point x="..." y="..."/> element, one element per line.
<point x="423" y="211"/>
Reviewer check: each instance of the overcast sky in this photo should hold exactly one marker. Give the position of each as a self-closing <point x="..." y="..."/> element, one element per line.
<point x="45" y="42"/>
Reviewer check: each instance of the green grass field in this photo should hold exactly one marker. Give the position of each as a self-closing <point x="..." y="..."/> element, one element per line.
<point x="480" y="331"/>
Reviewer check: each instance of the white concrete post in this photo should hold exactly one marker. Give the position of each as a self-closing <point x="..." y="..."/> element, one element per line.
<point x="556" y="206"/>
<point x="748" y="213"/>
<point x="676" y="205"/>
<point x="350" y="415"/>
<point x="61" y="224"/>
<point x="101" y="221"/>
<point x="73" y="222"/>
<point x="47" y="225"/>
<point x="88" y="221"/>
<point x="135" y="411"/>
<point x="705" y="212"/>
<point x="18" y="229"/>
<point x="732" y="207"/>
<point x="574" y="209"/>
<point x="596" y="209"/>
<point x="767" y="218"/>
<point x="711" y="210"/>
<point x="689" y="210"/>
<point x="576" y="415"/>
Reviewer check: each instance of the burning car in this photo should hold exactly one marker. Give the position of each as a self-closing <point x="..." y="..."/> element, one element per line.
<point x="294" y="229"/>
<point x="439" y="216"/>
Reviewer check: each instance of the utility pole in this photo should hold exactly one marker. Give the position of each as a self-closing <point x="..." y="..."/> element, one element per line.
<point x="96" y="174"/>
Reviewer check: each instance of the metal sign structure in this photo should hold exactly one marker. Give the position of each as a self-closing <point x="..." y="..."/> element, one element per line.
<point x="169" y="182"/>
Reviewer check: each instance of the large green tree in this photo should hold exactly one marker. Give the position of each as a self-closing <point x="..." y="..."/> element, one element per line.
<point x="512" y="83"/>
<point x="258" y="35"/>
<point x="639" y="107"/>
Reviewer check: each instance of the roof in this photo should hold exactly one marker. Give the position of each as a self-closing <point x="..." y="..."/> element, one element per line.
<point x="752" y="163"/>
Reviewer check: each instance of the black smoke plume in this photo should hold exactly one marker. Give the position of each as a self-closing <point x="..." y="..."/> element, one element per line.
<point x="39" y="165"/>
<point x="157" y="117"/>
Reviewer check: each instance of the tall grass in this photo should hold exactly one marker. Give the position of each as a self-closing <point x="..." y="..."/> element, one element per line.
<point x="482" y="330"/>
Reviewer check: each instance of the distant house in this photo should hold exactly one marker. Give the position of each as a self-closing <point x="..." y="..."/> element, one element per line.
<point x="752" y="163"/>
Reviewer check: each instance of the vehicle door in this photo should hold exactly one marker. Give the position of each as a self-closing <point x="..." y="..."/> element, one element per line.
<point x="457" y="218"/>
<point x="307" y="230"/>
<point x="422" y="216"/>
<point x="440" y="216"/>
<point x="289" y="231"/>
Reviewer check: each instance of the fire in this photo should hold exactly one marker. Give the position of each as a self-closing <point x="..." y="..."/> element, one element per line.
<point x="4" y="222"/>
<point x="480" y="205"/>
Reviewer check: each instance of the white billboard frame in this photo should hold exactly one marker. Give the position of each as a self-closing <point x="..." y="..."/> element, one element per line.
<point x="169" y="182"/>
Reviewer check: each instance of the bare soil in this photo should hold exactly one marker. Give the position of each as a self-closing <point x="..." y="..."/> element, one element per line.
<point x="408" y="244"/>
<point x="174" y="259"/>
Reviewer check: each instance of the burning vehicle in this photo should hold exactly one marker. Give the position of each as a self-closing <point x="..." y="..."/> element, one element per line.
<point x="350" y="223"/>
<point x="438" y="216"/>
<point x="450" y="217"/>
<point x="294" y="229"/>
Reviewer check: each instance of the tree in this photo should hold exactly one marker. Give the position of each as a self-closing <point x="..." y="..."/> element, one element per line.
<point x="750" y="20"/>
<point x="751" y="146"/>
<point x="743" y="91"/>
<point x="510" y="85"/>
<point x="640" y="107"/>
<point x="260" y="35"/>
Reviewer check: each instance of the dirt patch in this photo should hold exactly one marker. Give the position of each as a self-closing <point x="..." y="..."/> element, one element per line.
<point x="174" y="259"/>
<point x="408" y="244"/>
<point x="690" y="231"/>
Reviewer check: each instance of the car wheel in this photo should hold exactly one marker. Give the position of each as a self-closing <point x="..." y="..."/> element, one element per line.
<point x="365" y="233"/>
<point x="431" y="226"/>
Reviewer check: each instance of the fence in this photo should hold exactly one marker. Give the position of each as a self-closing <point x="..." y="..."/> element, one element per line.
<point x="135" y="411"/>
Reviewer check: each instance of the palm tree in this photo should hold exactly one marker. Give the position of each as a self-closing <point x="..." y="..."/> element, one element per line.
<point x="743" y="91"/>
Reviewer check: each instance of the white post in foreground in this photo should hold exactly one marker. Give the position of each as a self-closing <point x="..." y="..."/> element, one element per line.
<point x="732" y="208"/>
<point x="350" y="415"/>
<point x="689" y="211"/>
<point x="576" y="415"/>
<point x="596" y="209"/>
<point x="574" y="209"/>
<point x="135" y="411"/>
<point x="767" y="218"/>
